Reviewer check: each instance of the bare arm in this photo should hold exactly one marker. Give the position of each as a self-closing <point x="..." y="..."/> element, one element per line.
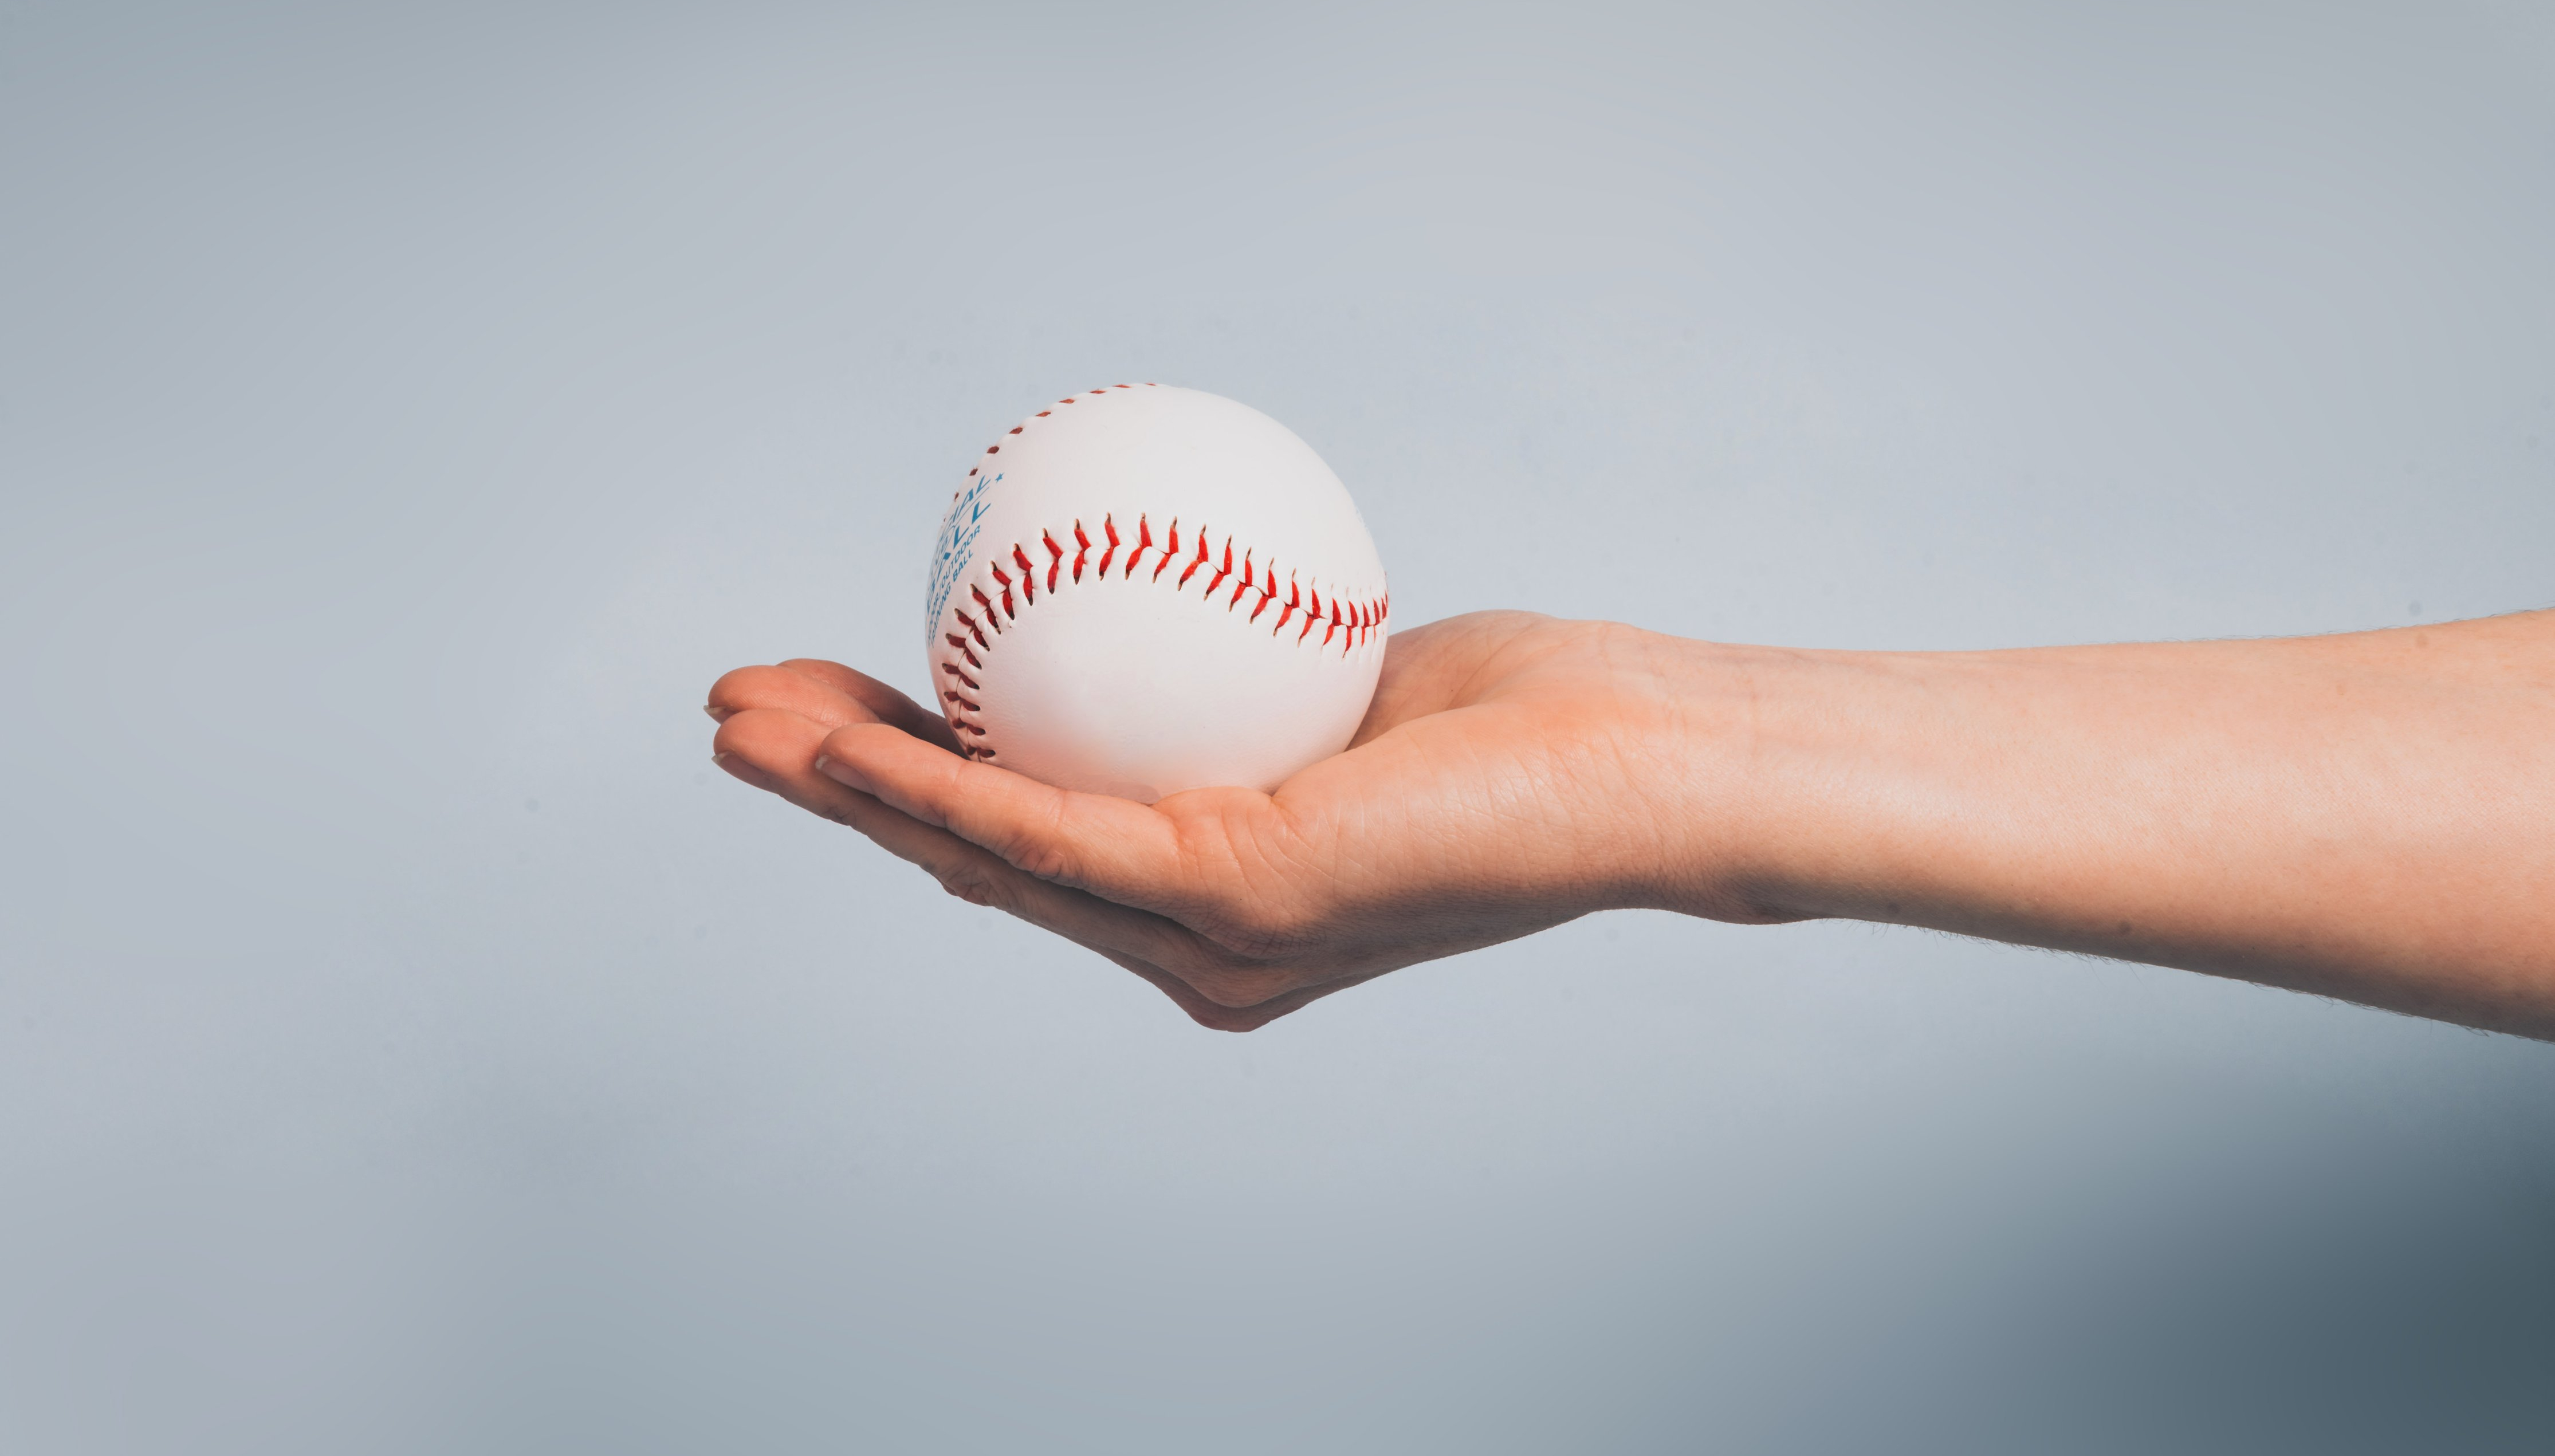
<point x="2370" y="816"/>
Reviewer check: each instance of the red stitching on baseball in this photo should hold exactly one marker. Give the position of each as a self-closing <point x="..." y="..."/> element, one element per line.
<point x="1352" y="623"/>
<point x="1096" y="388"/>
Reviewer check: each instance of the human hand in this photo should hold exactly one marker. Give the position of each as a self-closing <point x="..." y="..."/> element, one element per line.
<point x="2364" y="815"/>
<point x="1514" y="771"/>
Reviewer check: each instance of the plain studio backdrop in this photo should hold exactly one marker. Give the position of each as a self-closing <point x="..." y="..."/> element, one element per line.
<point x="408" y="1043"/>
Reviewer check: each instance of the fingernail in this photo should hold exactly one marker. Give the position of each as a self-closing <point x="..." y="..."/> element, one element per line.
<point x="842" y="773"/>
<point x="721" y="759"/>
<point x="717" y="714"/>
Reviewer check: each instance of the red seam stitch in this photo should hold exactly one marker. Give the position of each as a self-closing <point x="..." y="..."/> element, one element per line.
<point x="1357" y="619"/>
<point x="1222" y="571"/>
<point x="1097" y="389"/>
<point x="1144" y="543"/>
<point x="1193" y="565"/>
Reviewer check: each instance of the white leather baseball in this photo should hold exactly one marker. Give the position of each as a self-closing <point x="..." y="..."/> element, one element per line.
<point x="1142" y="589"/>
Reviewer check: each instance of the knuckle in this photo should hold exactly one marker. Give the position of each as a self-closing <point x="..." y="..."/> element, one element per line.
<point x="1191" y="958"/>
<point x="972" y="884"/>
<point x="1040" y="856"/>
<point x="1045" y="861"/>
<point x="1259" y="930"/>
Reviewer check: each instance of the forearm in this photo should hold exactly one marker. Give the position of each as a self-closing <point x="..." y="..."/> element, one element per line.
<point x="2368" y="816"/>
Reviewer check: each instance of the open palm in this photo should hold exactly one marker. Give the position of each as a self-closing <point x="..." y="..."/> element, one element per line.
<point x="1514" y="771"/>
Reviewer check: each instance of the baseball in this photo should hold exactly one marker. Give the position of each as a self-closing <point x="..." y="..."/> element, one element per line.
<point x="1142" y="589"/>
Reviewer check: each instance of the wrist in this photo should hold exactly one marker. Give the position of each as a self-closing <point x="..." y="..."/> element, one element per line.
<point x="1758" y="756"/>
<point x="1823" y="783"/>
<point x="2362" y="817"/>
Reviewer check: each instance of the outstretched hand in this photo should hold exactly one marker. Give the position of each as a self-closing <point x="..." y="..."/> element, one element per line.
<point x="2366" y="816"/>
<point x="1514" y="771"/>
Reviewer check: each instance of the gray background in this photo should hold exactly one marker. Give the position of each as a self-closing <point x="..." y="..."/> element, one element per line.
<point x="408" y="1043"/>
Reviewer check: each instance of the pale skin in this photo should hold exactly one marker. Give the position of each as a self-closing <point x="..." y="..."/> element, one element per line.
<point x="2369" y="816"/>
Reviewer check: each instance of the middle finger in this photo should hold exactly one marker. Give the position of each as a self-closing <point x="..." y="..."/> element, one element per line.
<point x="776" y="751"/>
